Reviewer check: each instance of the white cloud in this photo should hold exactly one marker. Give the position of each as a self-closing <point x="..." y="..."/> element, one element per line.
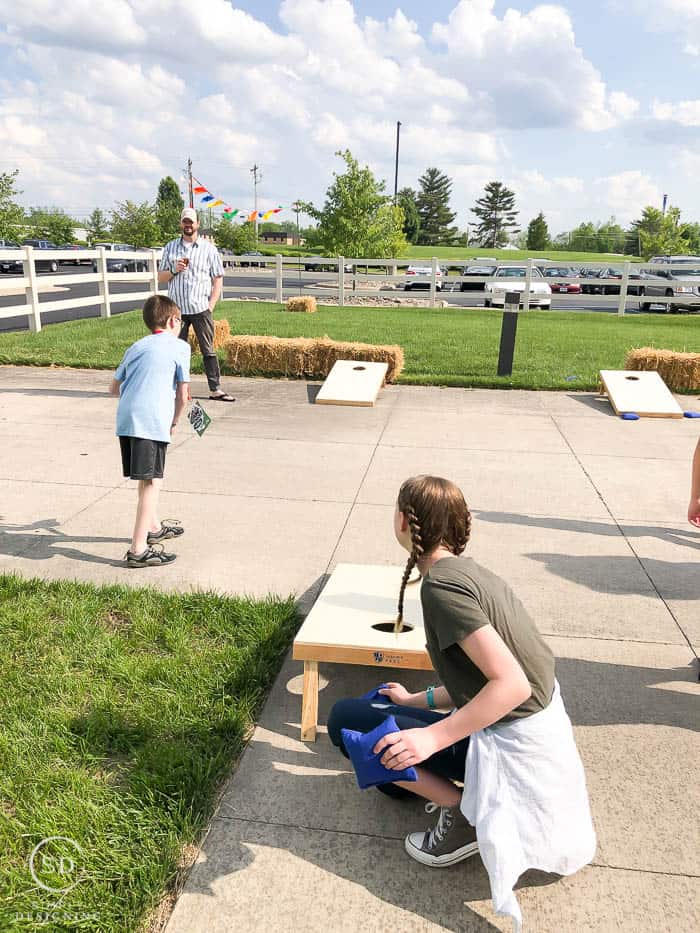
<point x="99" y="100"/>
<point x="530" y="65"/>
<point x="685" y="112"/>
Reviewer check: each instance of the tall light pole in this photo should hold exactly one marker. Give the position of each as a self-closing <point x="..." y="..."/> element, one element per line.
<point x="257" y="177"/>
<point x="396" y="170"/>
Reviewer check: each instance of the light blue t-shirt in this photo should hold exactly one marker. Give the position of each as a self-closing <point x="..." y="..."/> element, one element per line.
<point x="149" y="374"/>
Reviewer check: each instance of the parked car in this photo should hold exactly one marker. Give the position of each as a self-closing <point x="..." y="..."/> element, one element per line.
<point x="589" y="286"/>
<point x="43" y="265"/>
<point x="10" y="265"/>
<point x="419" y="277"/>
<point x="477" y="271"/>
<point x="253" y="262"/>
<point x="119" y="263"/>
<point x="633" y="279"/>
<point x="512" y="279"/>
<point x="77" y="260"/>
<point x="683" y="284"/>
<point x="673" y="260"/>
<point x="561" y="279"/>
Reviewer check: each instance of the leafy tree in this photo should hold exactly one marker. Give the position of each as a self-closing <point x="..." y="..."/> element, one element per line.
<point x="233" y="236"/>
<point x="169" y="206"/>
<point x="538" y="233"/>
<point x="661" y="234"/>
<point x="433" y="203"/>
<point x="11" y="214"/>
<point x="97" y="226"/>
<point x="358" y="219"/>
<point x="51" y="224"/>
<point x="497" y="215"/>
<point x="406" y="200"/>
<point x="135" y="224"/>
<point x="691" y="234"/>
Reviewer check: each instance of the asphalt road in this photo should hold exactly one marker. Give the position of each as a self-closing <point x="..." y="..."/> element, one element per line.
<point x="260" y="283"/>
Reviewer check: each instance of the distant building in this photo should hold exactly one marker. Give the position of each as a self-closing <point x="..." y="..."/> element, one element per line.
<point x="279" y="238"/>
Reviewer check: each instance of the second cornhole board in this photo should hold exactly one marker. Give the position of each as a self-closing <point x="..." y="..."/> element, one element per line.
<point x="340" y="629"/>
<point x="641" y="392"/>
<point x="352" y="382"/>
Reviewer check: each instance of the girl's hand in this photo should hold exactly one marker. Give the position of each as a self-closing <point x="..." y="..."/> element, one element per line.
<point x="406" y="748"/>
<point x="397" y="694"/>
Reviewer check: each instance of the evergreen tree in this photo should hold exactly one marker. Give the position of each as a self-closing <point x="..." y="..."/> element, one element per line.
<point x="11" y="214"/>
<point x="97" y="226"/>
<point x="411" y="218"/>
<point x="661" y="234"/>
<point x="538" y="233"/>
<point x="433" y="203"/>
<point x="169" y="205"/>
<point x="358" y="219"/>
<point x="497" y="215"/>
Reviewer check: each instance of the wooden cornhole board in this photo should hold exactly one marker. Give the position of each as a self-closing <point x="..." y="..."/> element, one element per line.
<point x="338" y="630"/>
<point x="640" y="392"/>
<point x="352" y="382"/>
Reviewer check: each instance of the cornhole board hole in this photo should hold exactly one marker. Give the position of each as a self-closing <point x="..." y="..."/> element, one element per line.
<point x="641" y="392"/>
<point x="352" y="382"/>
<point x="352" y="622"/>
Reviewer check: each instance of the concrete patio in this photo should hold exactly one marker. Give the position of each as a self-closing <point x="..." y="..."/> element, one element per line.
<point x="584" y="515"/>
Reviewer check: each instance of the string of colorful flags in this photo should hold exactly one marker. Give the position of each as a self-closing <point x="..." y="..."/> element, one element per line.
<point x="208" y="200"/>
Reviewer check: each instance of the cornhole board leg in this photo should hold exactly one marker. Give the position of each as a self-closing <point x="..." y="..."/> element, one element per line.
<point x="352" y="382"/>
<point x="309" y="702"/>
<point x="642" y="392"/>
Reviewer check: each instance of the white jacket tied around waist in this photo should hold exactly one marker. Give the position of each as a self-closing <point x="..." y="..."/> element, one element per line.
<point x="525" y="793"/>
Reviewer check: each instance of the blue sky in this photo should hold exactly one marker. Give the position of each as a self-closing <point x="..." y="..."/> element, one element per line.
<point x="586" y="109"/>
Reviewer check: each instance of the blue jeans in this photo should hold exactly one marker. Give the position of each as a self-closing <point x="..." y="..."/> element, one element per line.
<point x="363" y="715"/>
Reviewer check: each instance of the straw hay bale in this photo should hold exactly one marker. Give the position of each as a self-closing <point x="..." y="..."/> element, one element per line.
<point x="680" y="371"/>
<point x="310" y="357"/>
<point x="221" y="334"/>
<point x="307" y="304"/>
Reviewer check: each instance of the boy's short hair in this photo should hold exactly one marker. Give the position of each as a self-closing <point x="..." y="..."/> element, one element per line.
<point x="158" y="310"/>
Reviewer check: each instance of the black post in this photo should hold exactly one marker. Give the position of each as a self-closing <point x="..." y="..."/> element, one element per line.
<point x="396" y="170"/>
<point x="509" y="327"/>
<point x="189" y="181"/>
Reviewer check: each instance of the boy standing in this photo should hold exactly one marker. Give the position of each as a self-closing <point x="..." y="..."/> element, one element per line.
<point x="152" y="382"/>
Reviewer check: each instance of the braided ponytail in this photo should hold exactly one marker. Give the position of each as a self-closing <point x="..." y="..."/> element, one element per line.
<point x="415" y="555"/>
<point x="437" y="516"/>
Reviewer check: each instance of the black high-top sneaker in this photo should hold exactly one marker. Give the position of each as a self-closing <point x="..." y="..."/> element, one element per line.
<point x="452" y="840"/>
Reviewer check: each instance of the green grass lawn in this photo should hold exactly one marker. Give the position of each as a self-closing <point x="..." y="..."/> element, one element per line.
<point x="122" y="711"/>
<point x="443" y="346"/>
<point x="464" y="252"/>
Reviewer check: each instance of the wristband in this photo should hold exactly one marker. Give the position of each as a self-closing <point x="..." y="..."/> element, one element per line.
<point x="430" y="698"/>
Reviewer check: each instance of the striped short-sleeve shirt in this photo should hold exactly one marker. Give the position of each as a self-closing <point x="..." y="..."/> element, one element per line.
<point x="191" y="289"/>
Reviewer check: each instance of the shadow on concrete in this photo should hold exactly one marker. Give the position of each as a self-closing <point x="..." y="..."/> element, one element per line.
<point x="621" y="575"/>
<point x="311" y="393"/>
<point x="60" y="393"/>
<point x="25" y="541"/>
<point x="684" y="536"/>
<point x="599" y="403"/>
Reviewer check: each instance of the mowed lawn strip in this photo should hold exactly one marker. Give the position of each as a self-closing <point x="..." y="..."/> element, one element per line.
<point x="442" y="346"/>
<point x="122" y="711"/>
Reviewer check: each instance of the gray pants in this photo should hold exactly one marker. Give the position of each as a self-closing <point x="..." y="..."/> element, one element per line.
<point x="203" y="326"/>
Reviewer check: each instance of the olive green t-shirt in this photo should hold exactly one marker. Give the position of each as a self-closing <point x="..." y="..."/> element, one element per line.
<point x="458" y="597"/>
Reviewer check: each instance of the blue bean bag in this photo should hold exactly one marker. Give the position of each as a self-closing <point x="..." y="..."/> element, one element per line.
<point x="375" y="694"/>
<point x="368" y="768"/>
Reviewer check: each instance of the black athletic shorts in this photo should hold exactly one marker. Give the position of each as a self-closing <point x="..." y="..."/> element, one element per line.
<point x="142" y="458"/>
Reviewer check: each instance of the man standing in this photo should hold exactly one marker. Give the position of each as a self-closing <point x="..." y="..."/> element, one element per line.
<point x="192" y="269"/>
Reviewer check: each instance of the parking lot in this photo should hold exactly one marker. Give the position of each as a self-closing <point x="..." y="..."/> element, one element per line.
<point x="260" y="283"/>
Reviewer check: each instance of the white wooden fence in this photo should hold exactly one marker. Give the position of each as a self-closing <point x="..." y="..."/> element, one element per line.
<point x="347" y="272"/>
